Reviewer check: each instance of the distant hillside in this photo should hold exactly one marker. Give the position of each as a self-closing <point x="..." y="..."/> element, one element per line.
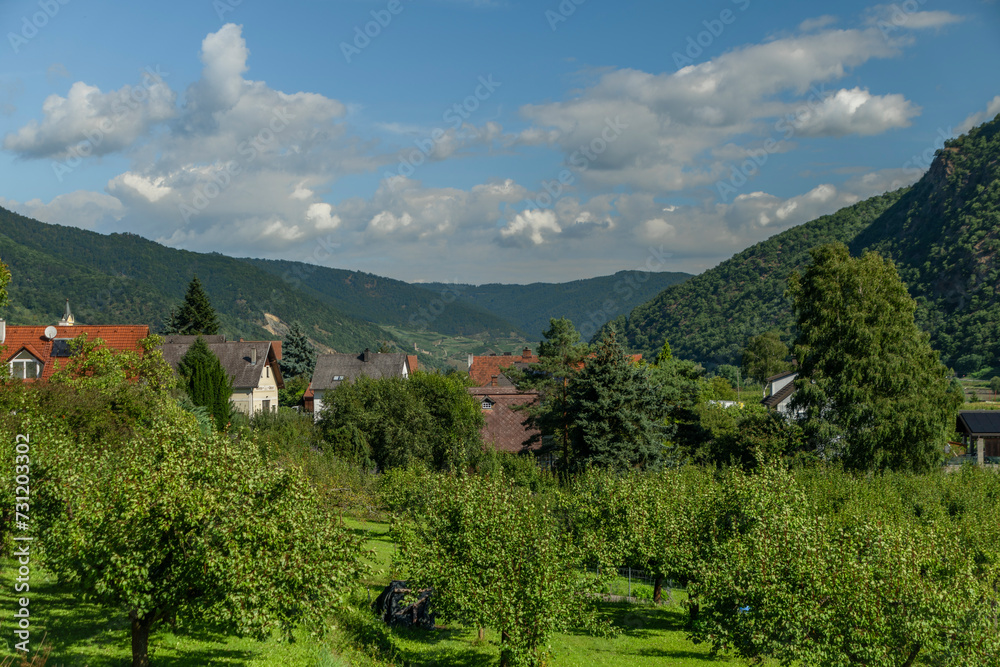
<point x="943" y="232"/>
<point x="125" y="278"/>
<point x="588" y="303"/>
<point x="390" y="302"/>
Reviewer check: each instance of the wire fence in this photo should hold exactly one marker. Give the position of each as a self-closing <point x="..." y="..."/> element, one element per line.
<point x="629" y="584"/>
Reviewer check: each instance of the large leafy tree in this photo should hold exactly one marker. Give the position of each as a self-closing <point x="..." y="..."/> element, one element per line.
<point x="561" y="356"/>
<point x="4" y="281"/>
<point x="874" y="391"/>
<point x="497" y="557"/>
<point x="196" y="315"/>
<point x="137" y="510"/>
<point x="765" y="355"/>
<point x="426" y="418"/>
<point x="206" y="381"/>
<point x="618" y="416"/>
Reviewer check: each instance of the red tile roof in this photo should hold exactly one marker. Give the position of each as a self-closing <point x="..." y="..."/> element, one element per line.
<point x="411" y="360"/>
<point x="32" y="339"/>
<point x="483" y="368"/>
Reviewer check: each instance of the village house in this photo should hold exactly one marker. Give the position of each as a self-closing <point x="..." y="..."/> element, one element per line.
<point x="504" y="429"/>
<point x="33" y="352"/>
<point x="333" y="369"/>
<point x="778" y="390"/>
<point x="251" y="365"/>
<point x="980" y="431"/>
<point x="483" y="368"/>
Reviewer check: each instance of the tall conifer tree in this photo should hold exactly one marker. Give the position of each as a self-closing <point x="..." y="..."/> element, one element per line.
<point x="298" y="356"/>
<point x="196" y="315"/>
<point x="206" y="381"/>
<point x="618" y="415"/>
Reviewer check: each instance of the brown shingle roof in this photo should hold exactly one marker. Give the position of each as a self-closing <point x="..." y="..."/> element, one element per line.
<point x="504" y="429"/>
<point x="776" y="398"/>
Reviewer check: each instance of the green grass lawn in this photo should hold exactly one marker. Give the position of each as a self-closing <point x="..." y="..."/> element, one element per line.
<point x="651" y="635"/>
<point x="82" y="633"/>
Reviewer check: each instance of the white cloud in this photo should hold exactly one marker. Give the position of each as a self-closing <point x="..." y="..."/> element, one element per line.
<point x="89" y="122"/>
<point x="82" y="208"/>
<point x="855" y="111"/>
<point x="528" y="227"/>
<point x="980" y="117"/>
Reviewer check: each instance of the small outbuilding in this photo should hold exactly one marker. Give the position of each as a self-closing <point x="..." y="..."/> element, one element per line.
<point x="980" y="431"/>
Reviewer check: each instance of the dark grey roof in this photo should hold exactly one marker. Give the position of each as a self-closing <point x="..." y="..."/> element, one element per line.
<point x="351" y="366"/>
<point x="187" y="340"/>
<point x="236" y="357"/>
<point x="777" y="397"/>
<point x="781" y="375"/>
<point x="979" y="422"/>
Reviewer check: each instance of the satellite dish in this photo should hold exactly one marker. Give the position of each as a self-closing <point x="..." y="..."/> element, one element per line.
<point x="50" y="332"/>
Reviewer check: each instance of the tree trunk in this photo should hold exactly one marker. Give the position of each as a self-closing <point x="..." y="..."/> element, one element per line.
<point x="913" y="654"/>
<point x="140" y="639"/>
<point x="692" y="612"/>
<point x="505" y="656"/>
<point x="482" y="634"/>
<point x="658" y="590"/>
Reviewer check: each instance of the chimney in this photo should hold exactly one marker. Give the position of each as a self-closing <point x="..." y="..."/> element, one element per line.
<point x="253" y="356"/>
<point x="526" y="352"/>
<point x="3" y="331"/>
<point x="493" y="380"/>
<point x="471" y="359"/>
<point x="366" y="355"/>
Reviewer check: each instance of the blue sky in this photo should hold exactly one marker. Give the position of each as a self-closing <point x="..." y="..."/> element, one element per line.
<point x="479" y="140"/>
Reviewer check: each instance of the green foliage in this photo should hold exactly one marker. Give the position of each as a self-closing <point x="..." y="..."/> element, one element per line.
<point x="828" y="569"/>
<point x="765" y="355"/>
<point x="617" y="416"/>
<point x="395" y="421"/>
<point x="874" y="392"/>
<point x="4" y="282"/>
<point x="206" y="382"/>
<point x="196" y="315"/>
<point x="298" y="356"/>
<point x="295" y="388"/>
<point x="520" y="469"/>
<point x="995" y="384"/>
<point x="496" y="558"/>
<point x="138" y="510"/>
<point x="561" y="355"/>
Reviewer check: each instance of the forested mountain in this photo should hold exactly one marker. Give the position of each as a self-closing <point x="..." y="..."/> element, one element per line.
<point x="583" y="301"/>
<point x="123" y="278"/>
<point x="943" y="233"/>
<point x="387" y="301"/>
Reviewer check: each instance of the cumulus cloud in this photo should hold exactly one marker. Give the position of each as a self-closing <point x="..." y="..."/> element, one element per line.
<point x="676" y="119"/>
<point x="855" y="111"/>
<point x="980" y="117"/>
<point x="85" y="209"/>
<point x="90" y="122"/>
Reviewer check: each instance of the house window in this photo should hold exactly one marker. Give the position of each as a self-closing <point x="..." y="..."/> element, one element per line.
<point x="266" y="405"/>
<point x="267" y="371"/>
<point x="25" y="366"/>
<point x="337" y="378"/>
<point x="487" y="404"/>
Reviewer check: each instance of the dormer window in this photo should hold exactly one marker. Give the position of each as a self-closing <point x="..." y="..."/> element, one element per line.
<point x="25" y="366"/>
<point x="487" y="404"/>
<point x="338" y="378"/>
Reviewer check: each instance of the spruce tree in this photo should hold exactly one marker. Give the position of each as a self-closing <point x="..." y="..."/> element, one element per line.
<point x="206" y="382"/>
<point x="298" y="356"/>
<point x="618" y="415"/>
<point x="196" y="315"/>
<point x="874" y="392"/>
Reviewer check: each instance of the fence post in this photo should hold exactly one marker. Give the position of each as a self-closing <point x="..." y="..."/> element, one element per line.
<point x="630" y="581"/>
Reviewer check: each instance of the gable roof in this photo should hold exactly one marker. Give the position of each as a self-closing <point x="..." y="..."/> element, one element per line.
<point x="353" y="366"/>
<point x="236" y="357"/>
<point x="32" y="339"/>
<point x="979" y="422"/>
<point x="504" y="427"/>
<point x="780" y="376"/>
<point x="775" y="399"/>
